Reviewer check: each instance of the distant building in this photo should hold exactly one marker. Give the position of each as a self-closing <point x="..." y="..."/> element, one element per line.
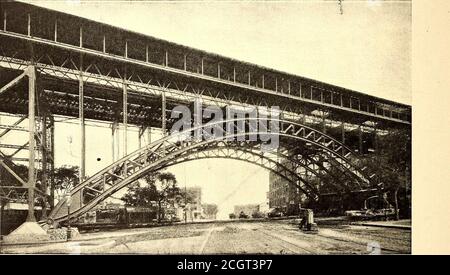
<point x="248" y="209"/>
<point x="264" y="207"/>
<point x="283" y="195"/>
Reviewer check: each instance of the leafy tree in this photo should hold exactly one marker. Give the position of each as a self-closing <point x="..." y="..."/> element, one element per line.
<point x="187" y="196"/>
<point x="392" y="163"/>
<point x="210" y="209"/>
<point x="167" y="190"/>
<point x="64" y="179"/>
<point x="140" y="196"/>
<point x="160" y="187"/>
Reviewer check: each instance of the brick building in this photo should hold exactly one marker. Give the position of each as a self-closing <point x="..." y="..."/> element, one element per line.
<point x="283" y="195"/>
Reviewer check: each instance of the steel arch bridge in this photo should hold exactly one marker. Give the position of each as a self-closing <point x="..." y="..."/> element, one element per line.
<point x="56" y="65"/>
<point x="175" y="149"/>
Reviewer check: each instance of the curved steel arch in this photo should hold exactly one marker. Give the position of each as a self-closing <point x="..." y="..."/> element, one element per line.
<point x="294" y="160"/>
<point x="161" y="152"/>
<point x="209" y="153"/>
<point x="255" y="158"/>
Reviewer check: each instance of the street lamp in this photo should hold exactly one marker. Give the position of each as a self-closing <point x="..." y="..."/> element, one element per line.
<point x="68" y="203"/>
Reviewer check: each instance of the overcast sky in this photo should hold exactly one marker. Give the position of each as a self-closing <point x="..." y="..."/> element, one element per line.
<point x="367" y="48"/>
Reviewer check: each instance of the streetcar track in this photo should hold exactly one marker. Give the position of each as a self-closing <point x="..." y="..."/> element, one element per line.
<point x="359" y="243"/>
<point x="291" y="243"/>
<point x="340" y="240"/>
<point x="208" y="235"/>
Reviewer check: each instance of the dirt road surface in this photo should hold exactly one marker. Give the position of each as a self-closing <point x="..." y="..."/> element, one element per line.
<point x="274" y="237"/>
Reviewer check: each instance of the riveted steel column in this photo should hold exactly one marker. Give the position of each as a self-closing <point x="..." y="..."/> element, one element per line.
<point x="44" y="171"/>
<point x="163" y="112"/>
<point x="360" y="139"/>
<point x="31" y="143"/>
<point x="113" y="137"/>
<point x="125" y="117"/>
<point x="82" y="122"/>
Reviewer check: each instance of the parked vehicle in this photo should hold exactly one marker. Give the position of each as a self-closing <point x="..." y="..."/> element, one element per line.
<point x="258" y="215"/>
<point x="242" y="215"/>
<point x="371" y="214"/>
<point x="275" y="212"/>
<point x="371" y="211"/>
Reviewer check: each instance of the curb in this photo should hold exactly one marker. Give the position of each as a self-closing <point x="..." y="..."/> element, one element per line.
<point x="404" y="227"/>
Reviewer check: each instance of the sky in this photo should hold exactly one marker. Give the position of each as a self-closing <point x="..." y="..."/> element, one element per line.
<point x="367" y="48"/>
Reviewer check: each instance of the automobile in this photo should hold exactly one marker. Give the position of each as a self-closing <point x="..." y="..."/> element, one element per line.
<point x="371" y="214"/>
<point x="275" y="212"/>
<point x="242" y="215"/>
<point x="370" y="211"/>
<point x="258" y="215"/>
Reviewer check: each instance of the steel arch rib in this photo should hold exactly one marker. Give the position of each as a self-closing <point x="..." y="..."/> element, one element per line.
<point x="188" y="157"/>
<point x="157" y="144"/>
<point x="291" y="159"/>
<point x="198" y="156"/>
<point x="252" y="152"/>
<point x="149" y="157"/>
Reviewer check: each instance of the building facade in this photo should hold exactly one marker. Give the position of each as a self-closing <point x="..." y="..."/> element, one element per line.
<point x="283" y="195"/>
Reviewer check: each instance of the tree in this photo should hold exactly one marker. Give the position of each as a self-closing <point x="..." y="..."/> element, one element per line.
<point x="64" y="179"/>
<point x="188" y="196"/>
<point x="7" y="179"/>
<point x="159" y="187"/>
<point x="392" y="163"/>
<point x="167" y="190"/>
<point x="140" y="196"/>
<point x="210" y="209"/>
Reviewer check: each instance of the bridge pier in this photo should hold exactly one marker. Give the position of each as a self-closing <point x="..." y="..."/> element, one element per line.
<point x="30" y="231"/>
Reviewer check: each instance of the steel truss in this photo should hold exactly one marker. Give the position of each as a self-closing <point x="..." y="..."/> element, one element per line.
<point x="40" y="147"/>
<point x="76" y="81"/>
<point x="73" y="68"/>
<point x="31" y="33"/>
<point x="175" y="148"/>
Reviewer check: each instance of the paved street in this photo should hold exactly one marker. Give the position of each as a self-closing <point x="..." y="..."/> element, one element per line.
<point x="275" y="237"/>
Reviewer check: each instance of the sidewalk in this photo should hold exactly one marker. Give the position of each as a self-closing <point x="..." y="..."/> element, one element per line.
<point x="402" y="224"/>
